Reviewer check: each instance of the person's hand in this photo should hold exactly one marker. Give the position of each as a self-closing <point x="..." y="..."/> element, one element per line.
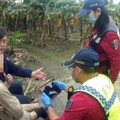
<point x="1" y="108"/>
<point x="8" y="78"/>
<point x="39" y="74"/>
<point x="60" y="84"/>
<point x="45" y="100"/>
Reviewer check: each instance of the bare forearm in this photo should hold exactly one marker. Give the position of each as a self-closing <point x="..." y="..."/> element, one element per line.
<point x="51" y="114"/>
<point x="30" y="107"/>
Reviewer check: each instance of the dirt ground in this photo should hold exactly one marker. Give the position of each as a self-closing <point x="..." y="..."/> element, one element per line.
<point x="51" y="58"/>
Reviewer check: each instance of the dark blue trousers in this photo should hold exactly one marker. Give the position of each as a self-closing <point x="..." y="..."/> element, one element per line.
<point x="17" y="90"/>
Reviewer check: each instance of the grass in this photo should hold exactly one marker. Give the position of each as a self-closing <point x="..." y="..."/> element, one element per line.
<point x="52" y="56"/>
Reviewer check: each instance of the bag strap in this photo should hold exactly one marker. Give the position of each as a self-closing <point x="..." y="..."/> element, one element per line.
<point x="109" y="27"/>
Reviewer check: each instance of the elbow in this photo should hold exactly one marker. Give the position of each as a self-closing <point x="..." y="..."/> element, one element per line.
<point x="18" y="113"/>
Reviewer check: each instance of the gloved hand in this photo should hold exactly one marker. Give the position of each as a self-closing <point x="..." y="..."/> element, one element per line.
<point x="45" y="100"/>
<point x="60" y="84"/>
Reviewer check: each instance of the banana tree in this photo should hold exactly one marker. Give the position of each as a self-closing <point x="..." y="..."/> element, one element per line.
<point x="114" y="10"/>
<point x="67" y="7"/>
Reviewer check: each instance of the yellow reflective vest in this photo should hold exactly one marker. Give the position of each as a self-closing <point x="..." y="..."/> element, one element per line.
<point x="102" y="89"/>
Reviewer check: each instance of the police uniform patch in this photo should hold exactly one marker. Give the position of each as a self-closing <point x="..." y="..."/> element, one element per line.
<point x="69" y="104"/>
<point x="114" y="44"/>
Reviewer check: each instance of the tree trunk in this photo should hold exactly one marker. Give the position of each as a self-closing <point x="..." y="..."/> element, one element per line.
<point x="81" y="30"/>
<point x="16" y="22"/>
<point x="49" y="28"/>
<point x="65" y="26"/>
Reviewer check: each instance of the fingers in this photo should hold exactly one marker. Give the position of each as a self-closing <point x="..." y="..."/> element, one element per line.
<point x="1" y="108"/>
<point x="56" y="82"/>
<point x="8" y="78"/>
<point x="43" y="94"/>
<point x="43" y="75"/>
<point x="38" y="74"/>
<point x="5" y="75"/>
<point x="40" y="68"/>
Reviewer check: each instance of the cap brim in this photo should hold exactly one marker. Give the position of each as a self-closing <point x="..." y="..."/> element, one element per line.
<point x="82" y="12"/>
<point x="68" y="63"/>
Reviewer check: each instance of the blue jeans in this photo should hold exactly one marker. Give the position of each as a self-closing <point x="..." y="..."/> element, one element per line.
<point x="17" y="91"/>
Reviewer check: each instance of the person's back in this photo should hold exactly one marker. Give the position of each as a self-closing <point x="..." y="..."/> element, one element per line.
<point x="12" y="108"/>
<point x="95" y="99"/>
<point x="84" y="107"/>
<point x="102" y="90"/>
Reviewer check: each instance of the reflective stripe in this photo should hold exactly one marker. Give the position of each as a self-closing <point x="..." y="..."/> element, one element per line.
<point x="106" y="104"/>
<point x="111" y="101"/>
<point x="118" y="33"/>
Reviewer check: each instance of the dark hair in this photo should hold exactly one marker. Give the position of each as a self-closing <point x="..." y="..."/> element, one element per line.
<point x="102" y="21"/>
<point x="3" y="32"/>
<point x="86" y="69"/>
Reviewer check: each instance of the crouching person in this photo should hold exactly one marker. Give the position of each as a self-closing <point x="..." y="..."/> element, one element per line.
<point x="95" y="99"/>
<point x="11" y="109"/>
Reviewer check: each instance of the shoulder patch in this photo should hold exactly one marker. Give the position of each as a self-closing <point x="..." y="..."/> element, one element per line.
<point x="114" y="44"/>
<point x="69" y="104"/>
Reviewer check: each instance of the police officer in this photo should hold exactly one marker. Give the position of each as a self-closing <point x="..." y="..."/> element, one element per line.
<point x="105" y="37"/>
<point x="13" y="69"/>
<point x="95" y="99"/>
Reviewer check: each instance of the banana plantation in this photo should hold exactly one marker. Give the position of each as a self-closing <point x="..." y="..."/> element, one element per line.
<point x="41" y="20"/>
<point x="44" y="34"/>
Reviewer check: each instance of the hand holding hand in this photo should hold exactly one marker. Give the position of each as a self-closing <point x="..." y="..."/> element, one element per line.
<point x="60" y="84"/>
<point x="8" y="78"/>
<point x="39" y="74"/>
<point x="45" y="100"/>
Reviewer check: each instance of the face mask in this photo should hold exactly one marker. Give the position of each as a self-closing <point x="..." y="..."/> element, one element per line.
<point x="75" y="77"/>
<point x="91" y="17"/>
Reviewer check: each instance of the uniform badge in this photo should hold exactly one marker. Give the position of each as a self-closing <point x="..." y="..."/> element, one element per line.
<point x="69" y="104"/>
<point x="114" y="44"/>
